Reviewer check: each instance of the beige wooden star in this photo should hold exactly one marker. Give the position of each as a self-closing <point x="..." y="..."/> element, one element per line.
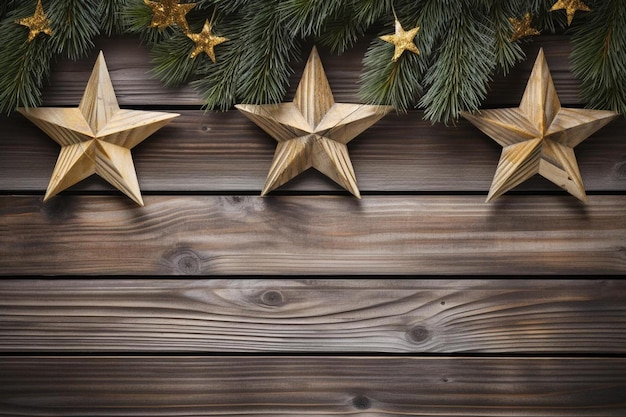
<point x="205" y="41"/>
<point x="313" y="130"/>
<point x="402" y="40"/>
<point x="37" y="23"/>
<point x="169" y="12"/>
<point x="571" y="7"/>
<point x="522" y="27"/>
<point x="539" y="136"/>
<point x="97" y="136"/>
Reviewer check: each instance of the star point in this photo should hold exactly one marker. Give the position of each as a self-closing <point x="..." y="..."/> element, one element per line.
<point x="205" y="41"/>
<point x="402" y="40"/>
<point x="169" y="12"/>
<point x="571" y="7"/>
<point x="96" y="137"/>
<point x="37" y="23"/>
<point x="539" y="136"/>
<point x="313" y="131"/>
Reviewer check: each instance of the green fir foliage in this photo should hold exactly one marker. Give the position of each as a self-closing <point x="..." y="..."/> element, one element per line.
<point x="598" y="56"/>
<point x="463" y="44"/>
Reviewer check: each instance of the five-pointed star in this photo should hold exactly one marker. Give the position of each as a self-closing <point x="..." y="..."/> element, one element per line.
<point x="97" y="136"/>
<point x="36" y="23"/>
<point x="522" y="27"/>
<point x="205" y="41"/>
<point x="539" y="136"/>
<point x="313" y="130"/>
<point x="169" y="12"/>
<point x="402" y="40"/>
<point x="571" y="7"/>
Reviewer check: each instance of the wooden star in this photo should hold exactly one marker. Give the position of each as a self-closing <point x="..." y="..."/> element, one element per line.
<point x="539" y="136"/>
<point x="402" y="40"/>
<point x="571" y="7"/>
<point x="37" y="23"/>
<point x="313" y="130"/>
<point x="97" y="136"/>
<point x="522" y="27"/>
<point x="169" y="12"/>
<point x="205" y="41"/>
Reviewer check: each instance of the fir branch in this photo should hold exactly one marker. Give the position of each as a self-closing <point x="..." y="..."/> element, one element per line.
<point x="507" y="53"/>
<point x="307" y="17"/>
<point x="23" y="65"/>
<point x="598" y="57"/>
<point x="463" y="65"/>
<point x="75" y="23"/>
<point x="111" y="12"/>
<point x="171" y="59"/>
<point x="268" y="47"/>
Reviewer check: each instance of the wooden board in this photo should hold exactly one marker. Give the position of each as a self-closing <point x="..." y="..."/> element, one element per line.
<point x="313" y="315"/>
<point x="313" y="235"/>
<point x="225" y="152"/>
<point x="312" y="386"/>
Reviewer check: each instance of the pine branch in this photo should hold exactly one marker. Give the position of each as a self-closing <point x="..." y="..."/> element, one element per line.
<point x="172" y="64"/>
<point x="598" y="57"/>
<point x="23" y="65"/>
<point x="507" y="53"/>
<point x="464" y="62"/>
<point x="268" y="47"/>
<point x="75" y="24"/>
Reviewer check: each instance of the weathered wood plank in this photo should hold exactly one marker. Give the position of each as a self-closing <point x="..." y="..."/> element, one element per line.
<point x="313" y="235"/>
<point x="130" y="64"/>
<point x="278" y="315"/>
<point x="225" y="152"/>
<point x="320" y="386"/>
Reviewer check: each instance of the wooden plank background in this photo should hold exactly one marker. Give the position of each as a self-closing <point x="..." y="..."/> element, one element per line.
<point x="447" y="310"/>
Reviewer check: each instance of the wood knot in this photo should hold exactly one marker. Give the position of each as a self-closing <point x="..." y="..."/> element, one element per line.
<point x="418" y="334"/>
<point x="184" y="262"/>
<point x="361" y="402"/>
<point x="272" y="298"/>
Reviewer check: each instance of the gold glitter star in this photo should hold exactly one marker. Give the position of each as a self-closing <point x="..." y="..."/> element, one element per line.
<point x="522" y="27"/>
<point x="402" y="40"/>
<point x="169" y="12"/>
<point x="570" y="6"/>
<point x="37" y="23"/>
<point x="205" y="41"/>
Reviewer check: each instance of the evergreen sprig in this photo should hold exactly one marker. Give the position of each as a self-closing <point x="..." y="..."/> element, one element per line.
<point x="598" y="56"/>
<point x="462" y="43"/>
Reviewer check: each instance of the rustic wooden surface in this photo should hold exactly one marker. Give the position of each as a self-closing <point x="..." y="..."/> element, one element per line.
<point x="309" y="315"/>
<point x="316" y="386"/>
<point x="86" y="265"/>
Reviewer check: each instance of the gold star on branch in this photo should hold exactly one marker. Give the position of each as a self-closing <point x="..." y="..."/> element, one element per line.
<point x="97" y="136"/>
<point x="571" y="7"/>
<point x="169" y="12"/>
<point x="402" y="40"/>
<point x="539" y="136"/>
<point x="205" y="41"/>
<point x="522" y="27"/>
<point x="37" y="23"/>
<point x="313" y="130"/>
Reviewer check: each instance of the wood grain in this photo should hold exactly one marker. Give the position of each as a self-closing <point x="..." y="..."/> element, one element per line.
<point x="313" y="315"/>
<point x="312" y="386"/>
<point x="226" y="152"/>
<point x="313" y="235"/>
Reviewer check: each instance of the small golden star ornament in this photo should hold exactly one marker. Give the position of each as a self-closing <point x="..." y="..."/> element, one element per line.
<point x="169" y="12"/>
<point x="97" y="136"/>
<point x="571" y="7"/>
<point x="522" y="27"/>
<point x="37" y="23"/>
<point x="205" y="41"/>
<point x="313" y="130"/>
<point x="402" y="40"/>
<point x="539" y="136"/>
